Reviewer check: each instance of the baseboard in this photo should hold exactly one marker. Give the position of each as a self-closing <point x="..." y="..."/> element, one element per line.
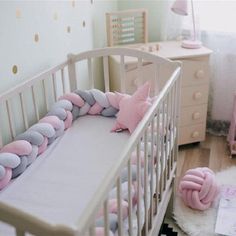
<point x="218" y="127"/>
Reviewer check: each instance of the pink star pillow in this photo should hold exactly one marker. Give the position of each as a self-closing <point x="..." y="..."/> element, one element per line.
<point x="132" y="109"/>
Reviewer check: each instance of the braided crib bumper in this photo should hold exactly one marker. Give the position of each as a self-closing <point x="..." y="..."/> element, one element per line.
<point x="17" y="155"/>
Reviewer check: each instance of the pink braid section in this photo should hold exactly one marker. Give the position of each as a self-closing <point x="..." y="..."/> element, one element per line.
<point x="17" y="155"/>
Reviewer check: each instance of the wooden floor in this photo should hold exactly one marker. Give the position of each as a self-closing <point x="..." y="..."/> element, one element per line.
<point x="212" y="153"/>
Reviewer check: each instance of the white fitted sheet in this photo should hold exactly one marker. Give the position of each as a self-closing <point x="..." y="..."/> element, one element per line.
<point x="60" y="184"/>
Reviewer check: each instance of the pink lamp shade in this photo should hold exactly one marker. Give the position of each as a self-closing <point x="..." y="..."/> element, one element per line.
<point x="180" y="7"/>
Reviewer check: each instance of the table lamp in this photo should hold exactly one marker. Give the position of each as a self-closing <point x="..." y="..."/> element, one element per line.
<point x="180" y="7"/>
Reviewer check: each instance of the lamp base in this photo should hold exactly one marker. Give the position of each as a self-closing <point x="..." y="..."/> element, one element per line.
<point x="192" y="44"/>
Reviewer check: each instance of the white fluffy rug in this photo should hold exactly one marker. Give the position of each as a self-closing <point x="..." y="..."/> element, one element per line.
<point x="197" y="223"/>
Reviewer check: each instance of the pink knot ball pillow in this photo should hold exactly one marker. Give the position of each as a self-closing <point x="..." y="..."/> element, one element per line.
<point x="198" y="188"/>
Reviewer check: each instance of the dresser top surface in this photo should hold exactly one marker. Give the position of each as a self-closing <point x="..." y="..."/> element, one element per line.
<point x="169" y="49"/>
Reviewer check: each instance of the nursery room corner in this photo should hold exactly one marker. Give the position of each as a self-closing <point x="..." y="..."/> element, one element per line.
<point x="117" y="118"/>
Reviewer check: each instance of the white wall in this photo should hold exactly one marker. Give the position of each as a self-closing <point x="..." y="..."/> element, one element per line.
<point x="21" y="20"/>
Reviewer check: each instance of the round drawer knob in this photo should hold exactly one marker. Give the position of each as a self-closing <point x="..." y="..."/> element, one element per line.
<point x="195" y="134"/>
<point x="199" y="74"/>
<point x="197" y="95"/>
<point x="196" y="115"/>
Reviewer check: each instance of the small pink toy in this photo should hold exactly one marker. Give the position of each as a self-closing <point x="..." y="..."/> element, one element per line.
<point x="231" y="138"/>
<point x="198" y="188"/>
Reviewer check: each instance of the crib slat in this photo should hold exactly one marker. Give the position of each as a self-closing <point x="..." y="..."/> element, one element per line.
<point x="54" y="83"/>
<point x="163" y="155"/>
<point x="72" y="73"/>
<point x="146" y="183"/>
<point x="92" y="230"/>
<point x="20" y="232"/>
<point x="139" y="189"/>
<point x="177" y="97"/>
<point x="175" y="122"/>
<point x="23" y="109"/>
<point x="10" y="120"/>
<point x="1" y="141"/>
<point x="106" y="73"/>
<point x="158" y="162"/>
<point x="106" y="217"/>
<point x="63" y="81"/>
<point x="170" y="131"/>
<point x="122" y="74"/>
<point x="156" y="76"/>
<point x="45" y="93"/>
<point x="130" y="197"/>
<point x="120" y="213"/>
<point x="90" y="73"/>
<point x="35" y="103"/>
<point x="152" y="166"/>
<point x="167" y="138"/>
<point x="139" y="72"/>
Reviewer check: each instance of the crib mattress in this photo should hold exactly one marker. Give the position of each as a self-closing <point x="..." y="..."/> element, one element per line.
<point x="60" y="184"/>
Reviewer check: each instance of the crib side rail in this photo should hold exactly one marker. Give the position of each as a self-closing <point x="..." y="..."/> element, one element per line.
<point x="26" y="103"/>
<point x="164" y="168"/>
<point x="124" y="54"/>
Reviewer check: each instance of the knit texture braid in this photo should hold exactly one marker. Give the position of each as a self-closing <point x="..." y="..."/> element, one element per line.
<point x="17" y="155"/>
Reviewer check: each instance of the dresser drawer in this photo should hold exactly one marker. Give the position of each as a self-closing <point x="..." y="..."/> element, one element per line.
<point x="193" y="115"/>
<point x="192" y="133"/>
<point x="134" y="79"/>
<point x="195" y="72"/>
<point x="196" y="95"/>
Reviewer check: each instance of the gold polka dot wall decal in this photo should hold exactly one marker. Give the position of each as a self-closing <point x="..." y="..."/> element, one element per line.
<point x="18" y="13"/>
<point x="14" y="69"/>
<point x="84" y="24"/>
<point x="68" y="29"/>
<point x="55" y="16"/>
<point x="36" y="38"/>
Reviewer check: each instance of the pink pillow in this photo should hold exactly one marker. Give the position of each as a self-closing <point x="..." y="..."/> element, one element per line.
<point x="132" y="109"/>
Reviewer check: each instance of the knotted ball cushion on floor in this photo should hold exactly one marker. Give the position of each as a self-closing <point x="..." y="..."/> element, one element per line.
<point x="199" y="223"/>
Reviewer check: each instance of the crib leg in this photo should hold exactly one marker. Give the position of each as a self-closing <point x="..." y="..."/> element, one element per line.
<point x="20" y="232"/>
<point x="170" y="208"/>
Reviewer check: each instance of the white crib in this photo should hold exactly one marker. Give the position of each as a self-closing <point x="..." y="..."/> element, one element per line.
<point x="26" y="208"/>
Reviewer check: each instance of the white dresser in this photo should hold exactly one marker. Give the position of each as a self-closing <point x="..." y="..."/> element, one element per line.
<point x="194" y="84"/>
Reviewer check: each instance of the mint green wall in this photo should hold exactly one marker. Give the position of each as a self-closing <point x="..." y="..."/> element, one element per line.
<point x="60" y="27"/>
<point x="163" y="24"/>
<point x="20" y="21"/>
<point x="100" y="8"/>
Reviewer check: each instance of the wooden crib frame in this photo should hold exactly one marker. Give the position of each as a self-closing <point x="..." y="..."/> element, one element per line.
<point x="167" y="102"/>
